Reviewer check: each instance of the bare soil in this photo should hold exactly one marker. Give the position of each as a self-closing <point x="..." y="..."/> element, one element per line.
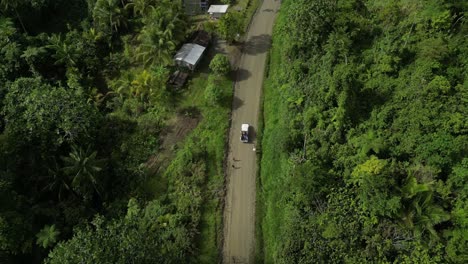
<point x="175" y="131"/>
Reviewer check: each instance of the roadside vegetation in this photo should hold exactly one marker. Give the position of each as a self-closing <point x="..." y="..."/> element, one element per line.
<point x="364" y="151"/>
<point x="87" y="173"/>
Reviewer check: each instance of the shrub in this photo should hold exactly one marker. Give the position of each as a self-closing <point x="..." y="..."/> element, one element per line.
<point x="220" y="64"/>
<point x="230" y="25"/>
<point x="213" y="92"/>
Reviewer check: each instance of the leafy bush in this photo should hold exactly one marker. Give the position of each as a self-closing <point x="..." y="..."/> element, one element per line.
<point x="213" y="91"/>
<point x="230" y="25"/>
<point x="220" y="64"/>
<point x="142" y="236"/>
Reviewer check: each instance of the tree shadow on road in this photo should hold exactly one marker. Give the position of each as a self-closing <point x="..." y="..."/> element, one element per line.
<point x="241" y="75"/>
<point x="236" y="102"/>
<point x="257" y="44"/>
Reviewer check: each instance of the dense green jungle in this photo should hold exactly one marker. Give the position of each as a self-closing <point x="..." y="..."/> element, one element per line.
<point x="363" y="138"/>
<point x="365" y="133"/>
<point x="92" y="166"/>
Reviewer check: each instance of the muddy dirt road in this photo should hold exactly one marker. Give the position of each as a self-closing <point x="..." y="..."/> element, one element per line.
<point x="239" y="213"/>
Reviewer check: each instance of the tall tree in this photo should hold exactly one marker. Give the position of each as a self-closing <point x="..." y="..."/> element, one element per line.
<point x="15" y="213"/>
<point x="141" y="7"/>
<point x="11" y="48"/>
<point x="47" y="115"/>
<point x="84" y="168"/>
<point x="230" y="26"/>
<point x="108" y="16"/>
<point x="7" y="5"/>
<point x="148" y="235"/>
<point x="47" y="236"/>
<point x="163" y="30"/>
<point x="57" y="182"/>
<point x="64" y="53"/>
<point x="419" y="212"/>
<point x="31" y="55"/>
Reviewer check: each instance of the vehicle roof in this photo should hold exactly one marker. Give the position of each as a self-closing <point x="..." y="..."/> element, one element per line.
<point x="245" y="127"/>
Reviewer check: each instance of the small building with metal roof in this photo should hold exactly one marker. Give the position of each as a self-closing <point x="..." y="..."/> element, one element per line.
<point x="189" y="55"/>
<point x="217" y="11"/>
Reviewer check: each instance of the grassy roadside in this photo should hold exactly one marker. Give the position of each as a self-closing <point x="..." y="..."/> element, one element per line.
<point x="273" y="164"/>
<point x="250" y="7"/>
<point x="274" y="160"/>
<point x="212" y="132"/>
<point x="259" y="201"/>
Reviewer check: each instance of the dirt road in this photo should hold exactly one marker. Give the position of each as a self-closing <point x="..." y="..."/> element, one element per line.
<point x="239" y="213"/>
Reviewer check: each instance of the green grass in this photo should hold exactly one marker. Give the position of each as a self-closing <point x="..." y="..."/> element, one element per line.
<point x="192" y="96"/>
<point x="248" y="8"/>
<point x="274" y="163"/>
<point x="194" y="93"/>
<point x="249" y="12"/>
<point x="259" y="204"/>
<point x="212" y="131"/>
<point x="259" y="207"/>
<point x="241" y="4"/>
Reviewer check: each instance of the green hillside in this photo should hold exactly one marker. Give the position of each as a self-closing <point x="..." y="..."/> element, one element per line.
<point x="365" y="142"/>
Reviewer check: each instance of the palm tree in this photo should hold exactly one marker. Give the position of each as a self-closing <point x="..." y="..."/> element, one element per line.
<point x="64" y="53"/>
<point x="30" y="55"/>
<point x="10" y="48"/>
<point x="13" y="4"/>
<point x="155" y="47"/>
<point x="7" y="28"/>
<point x="419" y="213"/>
<point x="141" y="7"/>
<point x="108" y="16"/>
<point x="159" y="37"/>
<point x="47" y="236"/>
<point x="145" y="86"/>
<point x="83" y="167"/>
<point x="142" y="86"/>
<point x="57" y="182"/>
<point x="123" y="83"/>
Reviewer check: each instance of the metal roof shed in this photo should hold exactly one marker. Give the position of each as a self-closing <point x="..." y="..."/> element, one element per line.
<point x="216" y="11"/>
<point x="189" y="55"/>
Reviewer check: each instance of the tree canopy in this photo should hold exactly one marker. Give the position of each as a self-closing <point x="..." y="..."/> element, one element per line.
<point x="365" y="133"/>
<point x="83" y="102"/>
<point x="220" y="64"/>
<point x="145" y="235"/>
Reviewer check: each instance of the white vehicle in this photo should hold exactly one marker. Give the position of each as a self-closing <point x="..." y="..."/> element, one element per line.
<point x="245" y="133"/>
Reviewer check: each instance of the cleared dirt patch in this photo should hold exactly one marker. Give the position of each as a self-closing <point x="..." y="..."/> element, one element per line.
<point x="175" y="131"/>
